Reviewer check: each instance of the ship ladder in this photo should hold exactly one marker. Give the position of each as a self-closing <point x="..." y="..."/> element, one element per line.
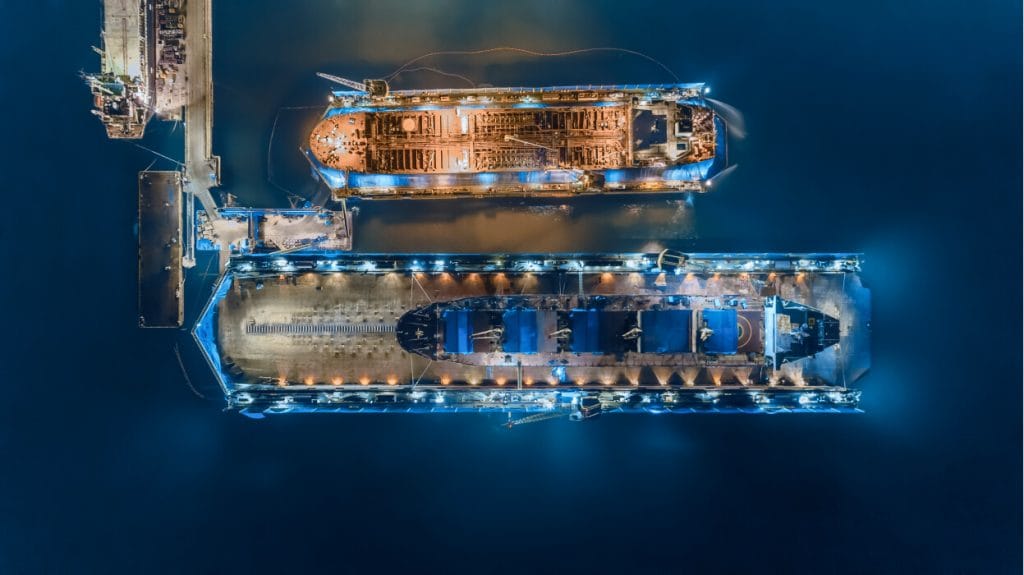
<point x="533" y="418"/>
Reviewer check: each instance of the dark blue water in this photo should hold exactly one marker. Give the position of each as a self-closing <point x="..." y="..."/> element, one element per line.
<point x="890" y="128"/>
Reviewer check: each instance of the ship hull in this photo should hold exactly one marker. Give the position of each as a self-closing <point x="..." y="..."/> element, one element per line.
<point x="514" y="141"/>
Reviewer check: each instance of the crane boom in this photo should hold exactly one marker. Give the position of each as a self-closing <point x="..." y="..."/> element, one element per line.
<point x="371" y="87"/>
<point x="343" y="81"/>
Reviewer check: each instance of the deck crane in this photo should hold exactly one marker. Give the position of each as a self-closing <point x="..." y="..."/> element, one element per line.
<point x="494" y="334"/>
<point x="634" y="333"/>
<point x="563" y="333"/>
<point x="375" y="88"/>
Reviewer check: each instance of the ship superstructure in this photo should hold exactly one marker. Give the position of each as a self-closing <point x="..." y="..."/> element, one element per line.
<point x="576" y="334"/>
<point x="498" y="141"/>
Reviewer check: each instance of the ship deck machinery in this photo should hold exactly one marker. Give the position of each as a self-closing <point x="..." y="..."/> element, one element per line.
<point x="501" y="141"/>
<point x="576" y="334"/>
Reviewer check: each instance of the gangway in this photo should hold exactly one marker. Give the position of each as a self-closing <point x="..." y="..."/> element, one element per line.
<point x="534" y="418"/>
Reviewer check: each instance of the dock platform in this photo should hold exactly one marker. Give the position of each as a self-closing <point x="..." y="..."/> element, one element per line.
<point x="160" y="246"/>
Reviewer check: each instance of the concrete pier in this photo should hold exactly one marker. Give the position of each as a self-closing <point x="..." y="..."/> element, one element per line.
<point x="202" y="168"/>
<point x="160" y="275"/>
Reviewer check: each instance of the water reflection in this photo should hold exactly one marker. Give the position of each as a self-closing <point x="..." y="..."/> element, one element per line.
<point x="606" y="223"/>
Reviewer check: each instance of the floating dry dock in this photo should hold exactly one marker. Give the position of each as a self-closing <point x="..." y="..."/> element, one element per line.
<point x="557" y="140"/>
<point x="579" y="334"/>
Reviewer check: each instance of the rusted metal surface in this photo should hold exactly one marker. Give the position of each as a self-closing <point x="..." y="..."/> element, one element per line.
<point x="570" y="129"/>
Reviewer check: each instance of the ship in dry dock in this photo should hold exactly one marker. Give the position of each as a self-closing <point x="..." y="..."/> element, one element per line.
<point x="569" y="334"/>
<point x="374" y="142"/>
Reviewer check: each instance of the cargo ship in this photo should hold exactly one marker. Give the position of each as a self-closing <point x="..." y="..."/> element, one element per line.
<point x="141" y="66"/>
<point x="122" y="90"/>
<point x="537" y="335"/>
<point x="373" y="142"/>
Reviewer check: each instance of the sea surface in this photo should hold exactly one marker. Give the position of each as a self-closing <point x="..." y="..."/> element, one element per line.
<point x="890" y="128"/>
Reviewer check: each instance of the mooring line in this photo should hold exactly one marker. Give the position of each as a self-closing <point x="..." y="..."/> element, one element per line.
<point x="184" y="372"/>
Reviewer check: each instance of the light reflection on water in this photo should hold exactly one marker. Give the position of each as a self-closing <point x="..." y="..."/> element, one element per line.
<point x="542" y="225"/>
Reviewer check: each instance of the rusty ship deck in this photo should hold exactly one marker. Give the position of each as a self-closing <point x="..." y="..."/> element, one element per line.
<point x="536" y="141"/>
